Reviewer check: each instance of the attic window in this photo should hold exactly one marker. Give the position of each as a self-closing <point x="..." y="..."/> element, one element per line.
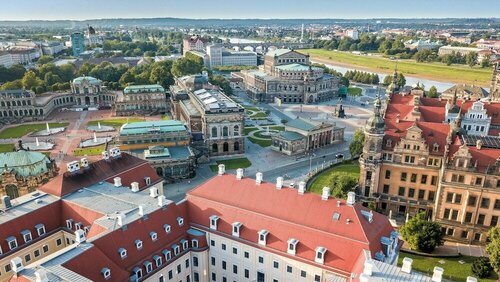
<point x="213" y="222"/>
<point x="184" y="244"/>
<point x="149" y="266"/>
<point x="194" y="243"/>
<point x="435" y="147"/>
<point x="176" y="249"/>
<point x="78" y="226"/>
<point x="106" y="273"/>
<point x="431" y="133"/>
<point x="153" y="235"/>
<point x="138" y="244"/>
<point x="292" y="246"/>
<point x="263" y="236"/>
<point x="180" y="221"/>
<point x="138" y="272"/>
<point x="69" y="223"/>
<point x="26" y="235"/>
<point x="336" y="216"/>
<point x="236" y="229"/>
<point x="158" y="260"/>
<point x="12" y="241"/>
<point x="167" y="228"/>
<point x="167" y="254"/>
<point x="40" y="229"/>
<point x="388" y="143"/>
<point x="320" y="255"/>
<point x="122" y="252"/>
<point x="147" y="180"/>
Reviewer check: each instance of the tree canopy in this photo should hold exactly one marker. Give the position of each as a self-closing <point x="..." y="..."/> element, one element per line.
<point x="421" y="234"/>
<point x="356" y="146"/>
<point x="493" y="248"/>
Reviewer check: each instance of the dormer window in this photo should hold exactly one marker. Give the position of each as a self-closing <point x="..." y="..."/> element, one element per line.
<point x="158" y="260"/>
<point x="213" y="222"/>
<point x="138" y="272"/>
<point x="435" y="147"/>
<point x="320" y="255"/>
<point x="138" y="244"/>
<point x="194" y="243"/>
<point x="236" y="229"/>
<point x="12" y="241"/>
<point x="153" y="236"/>
<point x="149" y="266"/>
<point x="167" y="228"/>
<point x="292" y="246"/>
<point x="167" y="254"/>
<point x="26" y="235"/>
<point x="263" y="237"/>
<point x="78" y="226"/>
<point x="147" y="180"/>
<point x="388" y="143"/>
<point x="40" y="229"/>
<point x="122" y="252"/>
<point x="69" y="223"/>
<point x="180" y="221"/>
<point x="184" y="244"/>
<point x="176" y="249"/>
<point x="106" y="273"/>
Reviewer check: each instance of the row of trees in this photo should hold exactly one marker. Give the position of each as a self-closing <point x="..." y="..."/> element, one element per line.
<point x="363" y="77"/>
<point x="401" y="80"/>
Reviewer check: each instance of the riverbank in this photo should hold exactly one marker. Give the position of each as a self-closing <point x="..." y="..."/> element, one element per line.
<point x="433" y="71"/>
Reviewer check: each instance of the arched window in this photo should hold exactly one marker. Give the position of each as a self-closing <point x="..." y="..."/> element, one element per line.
<point x="215" y="148"/>
<point x="214" y="132"/>
<point x="236" y="130"/>
<point x="225" y="147"/>
<point x="225" y="131"/>
<point x="236" y="146"/>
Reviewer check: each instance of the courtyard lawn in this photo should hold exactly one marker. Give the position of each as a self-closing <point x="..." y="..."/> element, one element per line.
<point x="90" y="151"/>
<point x="453" y="269"/>
<point x="279" y="128"/>
<point x="437" y="71"/>
<point x="254" y="109"/>
<point x="354" y="91"/>
<point x="117" y="122"/>
<point x="324" y="179"/>
<point x="259" y="115"/>
<point x="5" y="148"/>
<point x="262" y="143"/>
<point x="232" y="164"/>
<point x="247" y="130"/>
<point x="21" y="130"/>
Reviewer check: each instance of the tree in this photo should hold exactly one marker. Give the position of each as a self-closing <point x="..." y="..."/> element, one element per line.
<point x="222" y="82"/>
<point x="387" y="80"/>
<point x="493" y="248"/>
<point x="30" y="80"/>
<point x="45" y="59"/>
<point x="421" y="234"/>
<point x="471" y="59"/>
<point x="186" y="66"/>
<point x="356" y="146"/>
<point x="433" y="93"/>
<point x="161" y="73"/>
<point x="401" y="80"/>
<point x="481" y="267"/>
<point x="342" y="183"/>
<point x="485" y="63"/>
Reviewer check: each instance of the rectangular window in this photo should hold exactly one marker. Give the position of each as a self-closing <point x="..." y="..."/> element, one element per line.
<point x="497" y="205"/>
<point x="223" y="247"/>
<point x="196" y="277"/>
<point x="317" y="278"/>
<point x="458" y="198"/>
<point x="224" y="265"/>
<point x="403" y="176"/>
<point x="195" y="261"/>
<point x="36" y="253"/>
<point x="387" y="174"/>
<point x="421" y="194"/>
<point x="471" y="202"/>
<point x="454" y="215"/>
<point x="494" y="221"/>
<point x="480" y="219"/>
<point x="59" y="242"/>
<point x="433" y="180"/>
<point x="423" y="179"/>
<point x="212" y="260"/>
<point x="485" y="203"/>
<point x="386" y="189"/>
<point x="464" y="234"/>
<point x="413" y="178"/>
<point x="276" y="264"/>
<point x="214" y="277"/>
<point x="170" y="275"/>
<point x="450" y="231"/>
<point x="289" y="269"/>
<point x="179" y="269"/>
<point x="477" y="236"/>
<point x="27" y="258"/>
<point x="446" y="214"/>
<point x="247" y="254"/>
<point x="303" y="274"/>
<point x="468" y="217"/>
<point x="479" y="181"/>
<point x="247" y="273"/>
<point x="449" y="197"/>
<point x="401" y="191"/>
<point x="212" y="243"/>
<point x="235" y="269"/>
<point x="411" y="192"/>
<point x="235" y="251"/>
<point x="45" y="248"/>
<point x="261" y="259"/>
<point x="431" y="196"/>
<point x="187" y="263"/>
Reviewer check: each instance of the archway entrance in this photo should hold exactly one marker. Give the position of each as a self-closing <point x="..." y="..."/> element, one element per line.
<point x="159" y="171"/>
<point x="310" y="99"/>
<point x="215" y="148"/>
<point x="87" y="100"/>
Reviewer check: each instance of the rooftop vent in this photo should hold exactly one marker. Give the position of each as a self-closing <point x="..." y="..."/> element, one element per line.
<point x="407" y="262"/>
<point x="120" y="219"/>
<point x="162" y="201"/>
<point x="117" y="182"/>
<point x="153" y="192"/>
<point x="258" y="177"/>
<point x="368" y="268"/>
<point x="135" y="186"/>
<point x="222" y="169"/>
<point x="302" y="188"/>
<point x="41" y="275"/>
<point x="338" y="204"/>
<point x="105" y="155"/>
<point x="279" y="182"/>
<point x="437" y="275"/>
<point x="325" y="194"/>
<point x="80" y="236"/>
<point x="336" y="216"/>
<point x="115" y="152"/>
<point x="73" y="166"/>
<point x="471" y="279"/>
<point x="351" y="198"/>
<point x="239" y="173"/>
<point x="141" y="210"/>
<point x="84" y="163"/>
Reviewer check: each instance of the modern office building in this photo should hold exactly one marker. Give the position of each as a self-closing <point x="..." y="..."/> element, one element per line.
<point x="215" y="121"/>
<point x="6" y="59"/>
<point x="288" y="76"/>
<point x="77" y="43"/>
<point x="220" y="56"/>
<point x="141" y="100"/>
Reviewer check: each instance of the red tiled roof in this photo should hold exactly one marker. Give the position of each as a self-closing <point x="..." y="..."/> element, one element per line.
<point x="127" y="167"/>
<point x="483" y="158"/>
<point x="432" y="114"/>
<point x="285" y="214"/>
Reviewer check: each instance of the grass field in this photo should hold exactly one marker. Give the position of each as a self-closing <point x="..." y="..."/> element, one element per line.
<point x="325" y="178"/>
<point x="354" y="91"/>
<point x="117" y="122"/>
<point x="436" y="71"/>
<point x="277" y="127"/>
<point x="262" y="143"/>
<point x="21" y="130"/>
<point x="4" y="148"/>
<point x="247" y="130"/>
<point x="91" y="151"/>
<point x="453" y="270"/>
<point x="232" y="164"/>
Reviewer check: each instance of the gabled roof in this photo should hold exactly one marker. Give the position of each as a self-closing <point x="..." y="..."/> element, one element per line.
<point x="286" y="214"/>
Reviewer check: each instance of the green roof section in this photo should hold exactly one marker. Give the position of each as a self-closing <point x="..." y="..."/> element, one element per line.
<point x="24" y="163"/>
<point x="278" y="52"/>
<point x="174" y="153"/>
<point x="295" y="67"/>
<point x="301" y="124"/>
<point x="148" y="127"/>
<point x="143" y="88"/>
<point x="290" y="135"/>
<point x="91" y="80"/>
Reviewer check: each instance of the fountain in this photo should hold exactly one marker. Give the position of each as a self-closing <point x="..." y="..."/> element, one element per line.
<point x="100" y="128"/>
<point x="99" y="125"/>
<point x="39" y="146"/>
<point x="48" y="131"/>
<point x="37" y="143"/>
<point x="95" y="138"/>
<point x="48" y="127"/>
<point x="95" y="141"/>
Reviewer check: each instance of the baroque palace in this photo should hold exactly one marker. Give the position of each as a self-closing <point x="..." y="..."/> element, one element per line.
<point x="438" y="156"/>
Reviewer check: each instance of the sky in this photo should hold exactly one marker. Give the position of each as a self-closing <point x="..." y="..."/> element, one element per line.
<point x="95" y="9"/>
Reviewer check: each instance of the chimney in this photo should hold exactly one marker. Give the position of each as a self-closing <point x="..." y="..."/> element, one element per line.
<point x="239" y="173"/>
<point x="338" y="204"/>
<point x="118" y="181"/>
<point x="73" y="166"/>
<point x="141" y="210"/>
<point x="80" y="236"/>
<point x="162" y="201"/>
<point x="279" y="182"/>
<point x="105" y="155"/>
<point x="6" y="204"/>
<point x="351" y="198"/>
<point x="325" y="194"/>
<point x="437" y="276"/>
<point x="17" y="265"/>
<point x="153" y="192"/>
<point x="406" y="268"/>
<point x="368" y="269"/>
<point x="84" y="163"/>
<point x="471" y="279"/>
<point x="479" y="144"/>
<point x="222" y="169"/>
<point x="120" y="219"/>
<point x="135" y="186"/>
<point x="397" y="118"/>
<point x="41" y="275"/>
<point x="364" y="278"/>
<point x="302" y="188"/>
<point x="258" y="177"/>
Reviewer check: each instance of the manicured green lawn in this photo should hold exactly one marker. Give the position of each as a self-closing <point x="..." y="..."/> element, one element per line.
<point x="453" y="270"/>
<point x="247" y="130"/>
<point x="91" y="151"/>
<point x="354" y="91"/>
<point x="232" y="164"/>
<point x="262" y="143"/>
<point x="255" y="109"/>
<point x="279" y="128"/>
<point x="259" y="115"/>
<point x="21" y="130"/>
<point x="259" y="133"/>
<point x="325" y="178"/>
<point x="5" y="148"/>
<point x="439" y="71"/>
<point x="117" y="122"/>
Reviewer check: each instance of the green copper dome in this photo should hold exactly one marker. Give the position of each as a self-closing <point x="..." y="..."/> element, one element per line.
<point x="375" y="123"/>
<point x="24" y="163"/>
<point x="89" y="79"/>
